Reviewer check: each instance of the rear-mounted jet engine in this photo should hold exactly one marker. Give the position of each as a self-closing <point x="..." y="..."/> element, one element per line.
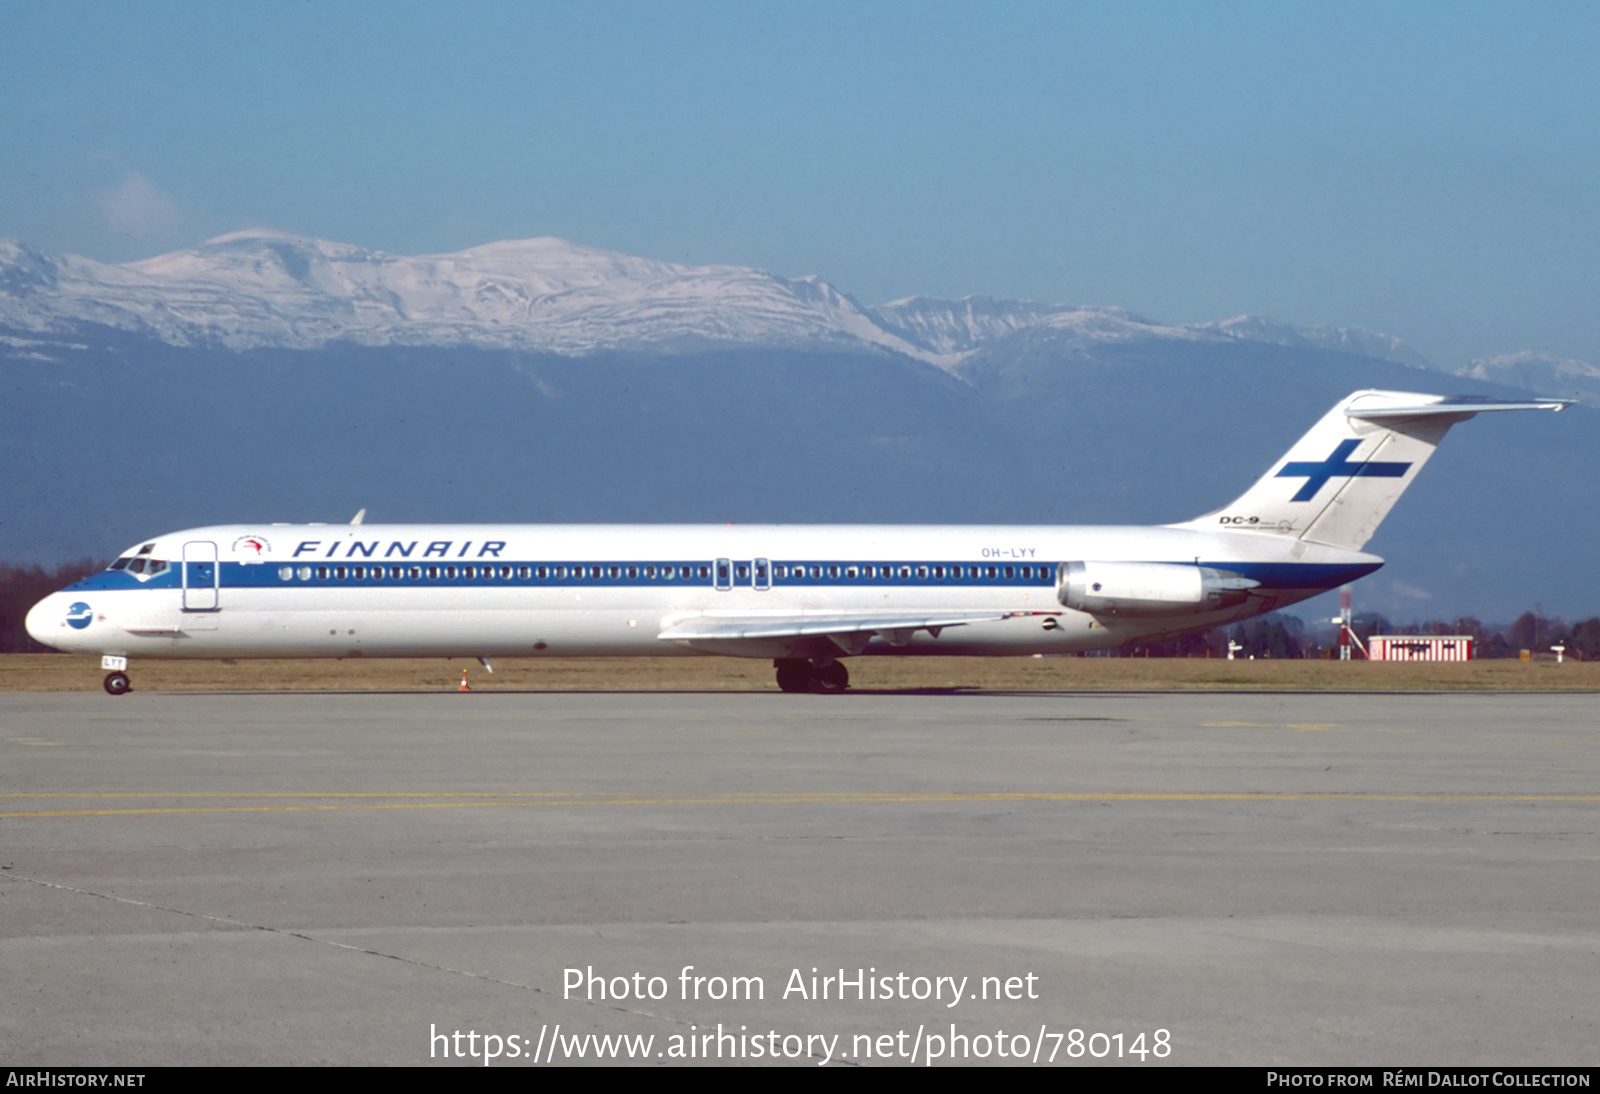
<point x="1148" y="588"/>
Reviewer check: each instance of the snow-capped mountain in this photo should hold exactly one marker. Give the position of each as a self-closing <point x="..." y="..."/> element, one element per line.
<point x="253" y="289"/>
<point x="947" y="332"/>
<point x="268" y="289"/>
<point x="1353" y="340"/>
<point x="1539" y="372"/>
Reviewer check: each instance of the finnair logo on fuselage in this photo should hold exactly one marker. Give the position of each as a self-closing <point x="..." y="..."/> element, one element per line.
<point x="1338" y="465"/>
<point x="442" y="548"/>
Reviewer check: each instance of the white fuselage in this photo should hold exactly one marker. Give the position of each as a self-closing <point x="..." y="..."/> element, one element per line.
<point x="599" y="590"/>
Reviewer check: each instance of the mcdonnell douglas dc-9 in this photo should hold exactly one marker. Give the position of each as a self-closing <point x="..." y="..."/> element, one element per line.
<point x="805" y="596"/>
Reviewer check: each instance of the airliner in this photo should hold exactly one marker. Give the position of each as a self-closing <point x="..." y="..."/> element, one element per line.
<point x="807" y="597"/>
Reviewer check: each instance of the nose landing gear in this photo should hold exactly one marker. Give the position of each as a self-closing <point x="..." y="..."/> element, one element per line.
<point x="116" y="682"/>
<point x="796" y="674"/>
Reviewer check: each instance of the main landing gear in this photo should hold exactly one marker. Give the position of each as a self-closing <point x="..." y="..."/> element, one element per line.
<point x="797" y="674"/>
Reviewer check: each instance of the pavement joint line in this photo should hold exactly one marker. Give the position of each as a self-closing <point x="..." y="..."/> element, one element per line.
<point x="261" y="927"/>
<point x="304" y="937"/>
<point x="489" y="801"/>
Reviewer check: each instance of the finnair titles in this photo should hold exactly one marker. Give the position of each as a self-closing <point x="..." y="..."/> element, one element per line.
<point x="807" y="597"/>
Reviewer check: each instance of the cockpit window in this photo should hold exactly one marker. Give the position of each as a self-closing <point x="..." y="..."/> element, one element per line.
<point x="117" y="565"/>
<point x="157" y="566"/>
<point x="136" y="566"/>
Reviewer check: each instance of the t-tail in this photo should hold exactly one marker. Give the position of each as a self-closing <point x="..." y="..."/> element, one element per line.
<point x="1340" y="480"/>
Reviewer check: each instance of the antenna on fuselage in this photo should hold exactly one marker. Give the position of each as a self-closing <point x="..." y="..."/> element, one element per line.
<point x="359" y="517"/>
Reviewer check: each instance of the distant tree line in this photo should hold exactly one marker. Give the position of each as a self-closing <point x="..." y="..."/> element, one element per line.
<point x="1529" y="631"/>
<point x="21" y="587"/>
<point x="1268" y="637"/>
<point x="1279" y="636"/>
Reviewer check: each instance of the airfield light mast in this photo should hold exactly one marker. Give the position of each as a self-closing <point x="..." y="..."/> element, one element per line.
<point x="1347" y="633"/>
<point x="1344" y="623"/>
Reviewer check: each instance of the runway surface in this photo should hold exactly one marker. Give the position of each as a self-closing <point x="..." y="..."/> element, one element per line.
<point x="1226" y="878"/>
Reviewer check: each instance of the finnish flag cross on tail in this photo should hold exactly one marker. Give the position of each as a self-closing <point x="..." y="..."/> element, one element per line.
<point x="1340" y="480"/>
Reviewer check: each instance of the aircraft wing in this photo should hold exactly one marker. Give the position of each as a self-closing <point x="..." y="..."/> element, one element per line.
<point x="849" y="632"/>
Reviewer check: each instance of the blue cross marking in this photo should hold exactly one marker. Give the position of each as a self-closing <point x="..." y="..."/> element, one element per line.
<point x="1338" y="466"/>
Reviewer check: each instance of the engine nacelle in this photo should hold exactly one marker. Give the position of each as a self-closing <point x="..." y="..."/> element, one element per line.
<point x="1148" y="588"/>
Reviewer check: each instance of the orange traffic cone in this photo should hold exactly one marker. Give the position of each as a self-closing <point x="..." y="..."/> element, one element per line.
<point x="464" y="685"/>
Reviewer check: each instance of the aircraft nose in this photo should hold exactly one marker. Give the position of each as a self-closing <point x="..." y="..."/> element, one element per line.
<point x="48" y="622"/>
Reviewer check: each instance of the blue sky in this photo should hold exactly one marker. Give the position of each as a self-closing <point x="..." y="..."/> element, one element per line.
<point x="1427" y="170"/>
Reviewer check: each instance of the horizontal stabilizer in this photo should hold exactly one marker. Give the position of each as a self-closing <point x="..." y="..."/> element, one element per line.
<point x="1457" y="408"/>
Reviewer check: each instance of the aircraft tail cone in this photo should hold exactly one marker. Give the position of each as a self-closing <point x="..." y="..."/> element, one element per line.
<point x="464" y="685"/>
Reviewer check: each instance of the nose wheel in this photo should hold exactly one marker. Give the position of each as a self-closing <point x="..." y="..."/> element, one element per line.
<point x="117" y="683"/>
<point x="797" y="675"/>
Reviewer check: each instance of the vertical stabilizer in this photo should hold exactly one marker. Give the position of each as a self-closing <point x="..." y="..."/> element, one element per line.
<point x="1340" y="480"/>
